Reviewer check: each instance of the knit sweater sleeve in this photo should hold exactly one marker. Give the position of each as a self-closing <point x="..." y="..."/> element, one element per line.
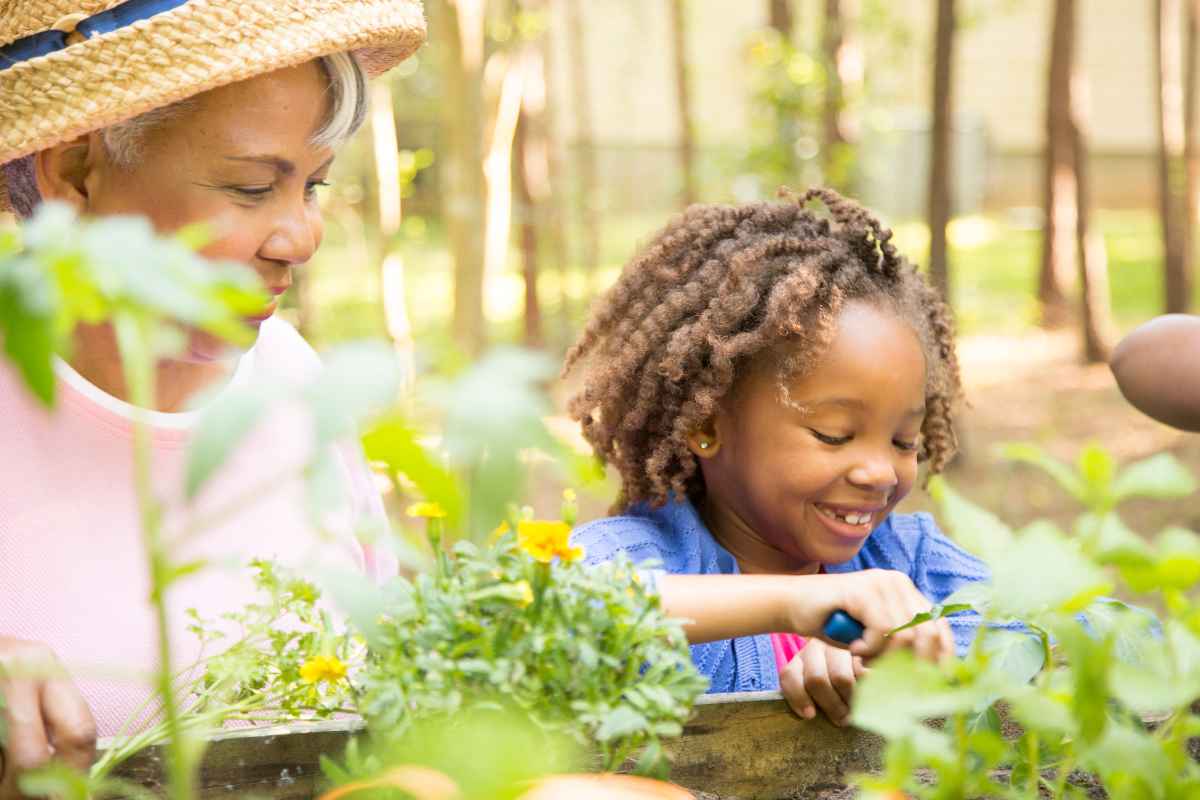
<point x="940" y="569"/>
<point x="670" y="538"/>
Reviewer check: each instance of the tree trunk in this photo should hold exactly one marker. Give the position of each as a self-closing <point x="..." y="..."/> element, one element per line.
<point x="1170" y="136"/>
<point x="687" y="145"/>
<point x="1059" y="190"/>
<point x="530" y="188"/>
<point x="1191" y="154"/>
<point x="1093" y="258"/>
<point x="551" y="217"/>
<point x="458" y="29"/>
<point x="843" y="83"/>
<point x="779" y="17"/>
<point x="585" y="141"/>
<point x="940" y="148"/>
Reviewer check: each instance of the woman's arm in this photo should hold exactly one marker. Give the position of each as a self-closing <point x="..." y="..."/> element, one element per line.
<point x="1157" y="367"/>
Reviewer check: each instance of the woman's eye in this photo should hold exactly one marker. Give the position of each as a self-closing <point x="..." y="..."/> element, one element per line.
<point x="833" y="440"/>
<point x="252" y="192"/>
<point x="310" y="188"/>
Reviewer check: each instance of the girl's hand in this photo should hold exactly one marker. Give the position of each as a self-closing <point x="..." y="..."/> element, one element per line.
<point x="45" y="714"/>
<point x="821" y="677"/>
<point x="881" y="600"/>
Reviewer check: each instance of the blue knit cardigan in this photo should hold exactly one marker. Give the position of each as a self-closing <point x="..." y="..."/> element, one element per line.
<point x="676" y="536"/>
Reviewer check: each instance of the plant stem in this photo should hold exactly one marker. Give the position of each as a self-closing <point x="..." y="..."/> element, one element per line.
<point x="133" y="336"/>
<point x="1035" y="771"/>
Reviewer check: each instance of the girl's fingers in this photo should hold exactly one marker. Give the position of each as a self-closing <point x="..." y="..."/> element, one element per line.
<point x="840" y="667"/>
<point x="69" y="721"/>
<point x="860" y="667"/>
<point x="820" y="688"/>
<point x="791" y="684"/>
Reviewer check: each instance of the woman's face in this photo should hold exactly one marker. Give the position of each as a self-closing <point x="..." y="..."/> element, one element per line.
<point x="239" y="158"/>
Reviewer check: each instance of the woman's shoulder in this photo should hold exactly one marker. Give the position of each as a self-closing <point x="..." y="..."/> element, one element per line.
<point x="282" y="353"/>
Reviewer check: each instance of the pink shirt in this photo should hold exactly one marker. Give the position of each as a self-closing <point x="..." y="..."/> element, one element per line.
<point x="72" y="568"/>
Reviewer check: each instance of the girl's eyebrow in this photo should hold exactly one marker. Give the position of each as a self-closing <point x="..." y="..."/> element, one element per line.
<point x="854" y="404"/>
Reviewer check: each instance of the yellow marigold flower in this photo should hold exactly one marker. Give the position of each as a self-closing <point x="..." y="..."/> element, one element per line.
<point x="545" y="540"/>
<point x="569" y="495"/>
<point x="322" y="668"/>
<point x="426" y="511"/>
<point x="526" y="594"/>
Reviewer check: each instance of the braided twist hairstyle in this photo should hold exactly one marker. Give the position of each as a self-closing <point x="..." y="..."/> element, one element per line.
<point x="715" y="290"/>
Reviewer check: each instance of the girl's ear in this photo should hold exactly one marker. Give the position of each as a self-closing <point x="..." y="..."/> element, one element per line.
<point x="705" y="442"/>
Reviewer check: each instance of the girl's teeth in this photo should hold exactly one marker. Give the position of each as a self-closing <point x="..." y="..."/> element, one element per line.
<point x="852" y="518"/>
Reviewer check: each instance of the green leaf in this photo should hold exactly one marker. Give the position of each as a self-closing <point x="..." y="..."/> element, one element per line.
<point x="977" y="595"/>
<point x="900" y="692"/>
<point x="621" y="721"/>
<point x="222" y="427"/>
<point x="937" y="612"/>
<point x="1097" y="468"/>
<point x="27" y="324"/>
<point x="1062" y="474"/>
<point x="977" y="530"/>
<point x="357" y="381"/>
<point x="1089" y="659"/>
<point x="1043" y="571"/>
<point x="393" y="442"/>
<point x="1160" y="476"/>
<point x="1016" y="656"/>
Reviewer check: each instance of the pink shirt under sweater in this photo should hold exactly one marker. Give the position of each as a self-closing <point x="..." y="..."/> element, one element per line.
<point x="72" y="569"/>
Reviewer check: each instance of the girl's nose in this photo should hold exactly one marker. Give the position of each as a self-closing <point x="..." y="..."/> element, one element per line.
<point x="878" y="474"/>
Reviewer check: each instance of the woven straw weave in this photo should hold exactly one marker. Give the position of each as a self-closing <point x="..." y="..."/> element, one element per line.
<point x="199" y="46"/>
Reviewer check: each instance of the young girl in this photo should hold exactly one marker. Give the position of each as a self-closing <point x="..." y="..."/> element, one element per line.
<point x="766" y="382"/>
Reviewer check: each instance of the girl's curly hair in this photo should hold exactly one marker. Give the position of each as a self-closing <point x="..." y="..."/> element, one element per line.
<point x="720" y="286"/>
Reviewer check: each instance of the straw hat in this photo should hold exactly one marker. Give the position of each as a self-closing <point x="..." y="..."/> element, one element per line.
<point x="82" y="65"/>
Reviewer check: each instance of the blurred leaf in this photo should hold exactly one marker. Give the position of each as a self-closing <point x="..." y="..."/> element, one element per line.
<point x="1097" y="468"/>
<point x="1062" y="474"/>
<point x="356" y="381"/>
<point x="1016" y="655"/>
<point x="1089" y="659"/>
<point x="1042" y="571"/>
<point x="977" y="530"/>
<point x="222" y="427"/>
<point x="392" y="441"/>
<point x="621" y="721"/>
<point x="976" y="595"/>
<point x="1160" y="476"/>
<point x="28" y="337"/>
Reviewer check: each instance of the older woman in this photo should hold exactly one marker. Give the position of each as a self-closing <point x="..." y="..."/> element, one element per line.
<point x="224" y="111"/>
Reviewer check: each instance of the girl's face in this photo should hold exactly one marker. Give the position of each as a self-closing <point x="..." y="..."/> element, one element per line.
<point x="803" y="481"/>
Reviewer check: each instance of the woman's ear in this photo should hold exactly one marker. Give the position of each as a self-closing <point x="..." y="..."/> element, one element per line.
<point x="705" y="442"/>
<point x="62" y="171"/>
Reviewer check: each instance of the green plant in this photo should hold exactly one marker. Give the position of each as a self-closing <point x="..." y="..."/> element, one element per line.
<point x="1078" y="672"/>
<point x="585" y="652"/>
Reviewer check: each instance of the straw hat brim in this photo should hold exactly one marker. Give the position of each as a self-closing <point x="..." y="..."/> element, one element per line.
<point x="202" y="45"/>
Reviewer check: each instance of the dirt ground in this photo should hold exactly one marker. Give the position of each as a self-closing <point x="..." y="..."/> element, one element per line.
<point x="1034" y="388"/>
<point x="1026" y="388"/>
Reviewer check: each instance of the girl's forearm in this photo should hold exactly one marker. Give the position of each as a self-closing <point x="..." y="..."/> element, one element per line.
<point x="727" y="606"/>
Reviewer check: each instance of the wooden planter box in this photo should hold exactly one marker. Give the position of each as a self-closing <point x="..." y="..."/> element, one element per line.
<point x="743" y="746"/>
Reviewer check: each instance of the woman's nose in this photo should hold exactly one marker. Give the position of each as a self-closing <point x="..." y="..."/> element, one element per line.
<point x="294" y="237"/>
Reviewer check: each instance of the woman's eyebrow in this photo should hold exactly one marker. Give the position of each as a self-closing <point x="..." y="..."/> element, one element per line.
<point x="281" y="165"/>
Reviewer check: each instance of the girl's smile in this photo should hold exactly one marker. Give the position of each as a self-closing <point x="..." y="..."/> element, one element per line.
<point x="798" y="475"/>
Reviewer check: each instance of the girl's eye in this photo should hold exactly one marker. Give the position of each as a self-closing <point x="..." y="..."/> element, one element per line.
<point x="831" y="440"/>
<point x="907" y="447"/>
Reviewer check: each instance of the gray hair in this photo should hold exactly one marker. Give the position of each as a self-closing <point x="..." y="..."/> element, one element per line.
<point x="125" y="141"/>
